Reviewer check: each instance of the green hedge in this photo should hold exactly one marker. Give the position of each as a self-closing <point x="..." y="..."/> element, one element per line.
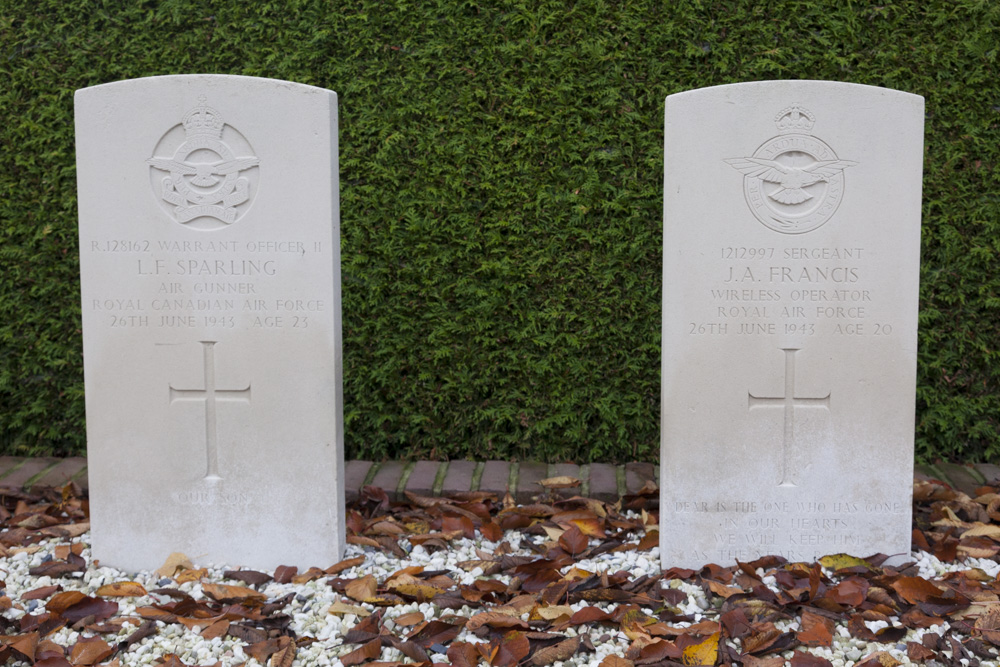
<point x="501" y="198"/>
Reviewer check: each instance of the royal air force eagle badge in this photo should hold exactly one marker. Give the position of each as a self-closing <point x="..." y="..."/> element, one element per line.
<point x="794" y="182"/>
<point x="204" y="171"/>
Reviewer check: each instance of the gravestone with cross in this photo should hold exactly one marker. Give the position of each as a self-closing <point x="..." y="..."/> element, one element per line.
<point x="209" y="257"/>
<point x="209" y="396"/>
<point x="790" y="281"/>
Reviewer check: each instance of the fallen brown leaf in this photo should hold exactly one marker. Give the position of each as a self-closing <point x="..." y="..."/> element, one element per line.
<point x="803" y="659"/>
<point x="217" y="629"/>
<point x="573" y="541"/>
<point x="341" y="607"/>
<point x="285" y="655"/>
<point x="89" y="650"/>
<point x="770" y="661"/>
<point x="879" y="659"/>
<point x="513" y="648"/>
<point x="815" y="630"/>
<point x="122" y="589"/>
<point x="228" y="593"/>
<point x="251" y="577"/>
<point x="196" y="574"/>
<point x="48" y="649"/>
<point x="551" y="613"/>
<point x="561" y="482"/>
<point x="362" y="589"/>
<point x="491" y="531"/>
<point x="40" y="593"/>
<point x="918" y="652"/>
<point x="367" y="652"/>
<point x="557" y="652"/>
<point x="615" y="661"/>
<point x="63" y="601"/>
<point x="409" y="619"/>
<point x="705" y="652"/>
<point x="915" y="589"/>
<point x="25" y="645"/>
<point x="462" y="654"/>
<point x="283" y="573"/>
<point x="988" y="625"/>
<point x="175" y="561"/>
<point x="495" y="619"/>
<point x="54" y="661"/>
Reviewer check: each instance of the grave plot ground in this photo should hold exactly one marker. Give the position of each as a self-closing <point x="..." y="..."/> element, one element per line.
<point x="479" y="580"/>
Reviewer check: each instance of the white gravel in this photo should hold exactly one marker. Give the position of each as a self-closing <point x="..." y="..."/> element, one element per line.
<point x="311" y="617"/>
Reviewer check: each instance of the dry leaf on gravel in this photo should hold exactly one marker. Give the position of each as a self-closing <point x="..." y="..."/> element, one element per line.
<point x="122" y="589"/>
<point x="89" y="650"/>
<point x="175" y="561"/>
<point x="340" y="608"/>
<point x="362" y="589"/>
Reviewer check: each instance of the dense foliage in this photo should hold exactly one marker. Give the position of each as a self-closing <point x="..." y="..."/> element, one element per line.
<point x="501" y="198"/>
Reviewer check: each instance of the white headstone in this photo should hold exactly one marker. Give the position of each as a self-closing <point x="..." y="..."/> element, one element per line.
<point x="210" y="271"/>
<point x="791" y="249"/>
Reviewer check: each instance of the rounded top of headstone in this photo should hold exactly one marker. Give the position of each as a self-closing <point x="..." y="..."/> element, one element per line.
<point x="206" y="79"/>
<point x="785" y="85"/>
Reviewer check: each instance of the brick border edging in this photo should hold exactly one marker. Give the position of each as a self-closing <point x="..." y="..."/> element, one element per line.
<point x="602" y="481"/>
<point x="26" y="472"/>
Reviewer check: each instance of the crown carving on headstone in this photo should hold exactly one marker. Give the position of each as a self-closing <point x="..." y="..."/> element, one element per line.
<point x="795" y="118"/>
<point x="203" y="120"/>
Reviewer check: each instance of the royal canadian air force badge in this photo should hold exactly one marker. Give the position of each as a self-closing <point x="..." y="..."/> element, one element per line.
<point x="793" y="182"/>
<point x="204" y="171"/>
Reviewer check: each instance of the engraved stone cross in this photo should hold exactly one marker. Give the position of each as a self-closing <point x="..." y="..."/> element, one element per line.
<point x="210" y="394"/>
<point x="788" y="402"/>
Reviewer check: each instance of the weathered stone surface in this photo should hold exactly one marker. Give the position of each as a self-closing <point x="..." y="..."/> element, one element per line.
<point x="458" y="479"/>
<point x="636" y="476"/>
<point x="495" y="477"/>
<point x="422" y="477"/>
<point x="529" y="475"/>
<point x="791" y="264"/>
<point x="964" y="478"/>
<point x="604" y="482"/>
<point x="209" y="256"/>
<point x="26" y="472"/>
<point x="355" y="473"/>
<point x="67" y="470"/>
<point x="990" y="472"/>
<point x="387" y="477"/>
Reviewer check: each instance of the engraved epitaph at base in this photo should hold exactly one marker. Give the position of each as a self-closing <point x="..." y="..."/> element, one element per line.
<point x="791" y="266"/>
<point x="211" y="320"/>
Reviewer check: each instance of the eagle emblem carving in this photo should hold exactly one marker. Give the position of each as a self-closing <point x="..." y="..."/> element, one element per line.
<point x="794" y="182"/>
